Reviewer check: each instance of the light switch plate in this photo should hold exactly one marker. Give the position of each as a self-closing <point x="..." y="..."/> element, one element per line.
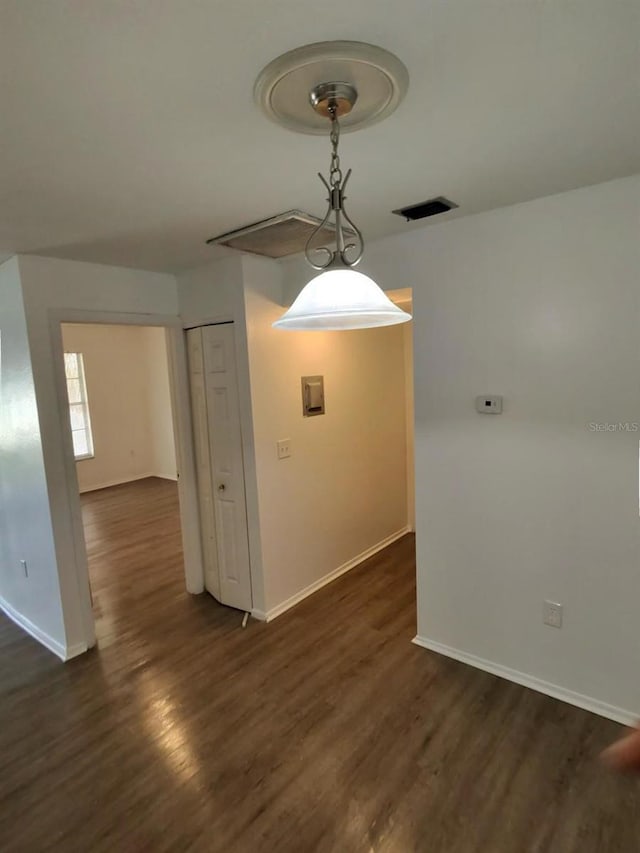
<point x="284" y="448"/>
<point x="552" y="614"/>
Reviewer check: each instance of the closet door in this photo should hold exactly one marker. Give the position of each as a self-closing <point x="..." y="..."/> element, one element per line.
<point x="223" y="481"/>
<point x="203" y="462"/>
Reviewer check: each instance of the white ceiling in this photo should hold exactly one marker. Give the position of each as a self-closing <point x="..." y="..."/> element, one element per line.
<point x="129" y="133"/>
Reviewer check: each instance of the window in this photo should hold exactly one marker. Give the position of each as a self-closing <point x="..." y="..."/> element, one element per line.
<point x="78" y="406"/>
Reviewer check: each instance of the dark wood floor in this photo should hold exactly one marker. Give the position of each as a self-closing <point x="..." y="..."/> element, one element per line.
<point x="326" y="730"/>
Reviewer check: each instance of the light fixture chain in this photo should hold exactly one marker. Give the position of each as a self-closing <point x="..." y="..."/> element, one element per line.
<point x="335" y="172"/>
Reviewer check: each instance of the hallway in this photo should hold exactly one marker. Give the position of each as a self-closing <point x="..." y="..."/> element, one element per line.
<point x="325" y="730"/>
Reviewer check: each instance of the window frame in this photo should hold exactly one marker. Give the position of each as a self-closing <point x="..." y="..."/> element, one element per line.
<point x="83" y="402"/>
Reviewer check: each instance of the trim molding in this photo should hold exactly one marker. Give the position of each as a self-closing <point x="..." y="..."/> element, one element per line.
<point x="326" y="579"/>
<point x="75" y="650"/>
<point x="37" y="633"/>
<point x="260" y="615"/>
<point x="121" y="482"/>
<point x="587" y="703"/>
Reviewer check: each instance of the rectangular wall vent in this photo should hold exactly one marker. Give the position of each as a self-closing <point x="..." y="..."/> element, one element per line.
<point x="426" y="208"/>
<point x="279" y="236"/>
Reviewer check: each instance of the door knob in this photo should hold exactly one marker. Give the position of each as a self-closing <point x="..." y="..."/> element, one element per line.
<point x="221" y="487"/>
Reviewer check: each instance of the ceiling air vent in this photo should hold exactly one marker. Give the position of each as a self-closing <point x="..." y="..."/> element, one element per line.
<point x="277" y="237"/>
<point x="426" y="208"/>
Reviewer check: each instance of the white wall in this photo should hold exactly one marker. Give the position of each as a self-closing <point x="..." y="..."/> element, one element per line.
<point x="344" y="489"/>
<point x="25" y="522"/>
<point x="538" y="302"/>
<point x="212" y="293"/>
<point x="127" y="378"/>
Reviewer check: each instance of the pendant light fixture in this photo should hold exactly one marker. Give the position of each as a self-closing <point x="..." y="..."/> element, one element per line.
<point x="340" y="297"/>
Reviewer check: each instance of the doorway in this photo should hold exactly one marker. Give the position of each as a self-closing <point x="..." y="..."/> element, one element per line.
<point x="122" y="428"/>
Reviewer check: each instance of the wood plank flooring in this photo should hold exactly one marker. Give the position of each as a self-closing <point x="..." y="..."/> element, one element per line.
<point x="325" y="730"/>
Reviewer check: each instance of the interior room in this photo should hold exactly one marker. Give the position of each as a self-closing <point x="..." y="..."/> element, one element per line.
<point x="121" y="421"/>
<point x="319" y="426"/>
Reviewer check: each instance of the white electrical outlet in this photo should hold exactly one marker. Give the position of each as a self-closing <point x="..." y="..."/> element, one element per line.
<point x="23" y="563"/>
<point x="552" y="614"/>
<point x="284" y="448"/>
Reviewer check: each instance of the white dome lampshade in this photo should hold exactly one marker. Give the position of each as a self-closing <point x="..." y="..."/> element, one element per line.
<point x="340" y="299"/>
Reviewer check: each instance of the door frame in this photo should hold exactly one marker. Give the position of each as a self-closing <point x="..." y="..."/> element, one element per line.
<point x="183" y="438"/>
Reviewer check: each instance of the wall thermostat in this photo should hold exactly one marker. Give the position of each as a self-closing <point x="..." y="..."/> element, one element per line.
<point x="489" y="404"/>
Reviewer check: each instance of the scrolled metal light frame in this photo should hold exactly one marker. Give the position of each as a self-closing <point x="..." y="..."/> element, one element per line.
<point x="336" y="185"/>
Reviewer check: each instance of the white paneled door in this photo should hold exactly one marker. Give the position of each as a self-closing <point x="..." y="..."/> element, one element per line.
<point x="218" y="451"/>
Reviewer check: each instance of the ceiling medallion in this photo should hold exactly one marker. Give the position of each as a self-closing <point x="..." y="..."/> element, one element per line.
<point x="380" y="79"/>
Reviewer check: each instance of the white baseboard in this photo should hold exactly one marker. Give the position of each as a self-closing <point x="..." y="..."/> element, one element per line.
<point x="173" y="478"/>
<point x="75" y="650"/>
<point x="122" y="481"/>
<point x="587" y="703"/>
<point x="323" y="581"/>
<point x="260" y="615"/>
<point x="27" y="625"/>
